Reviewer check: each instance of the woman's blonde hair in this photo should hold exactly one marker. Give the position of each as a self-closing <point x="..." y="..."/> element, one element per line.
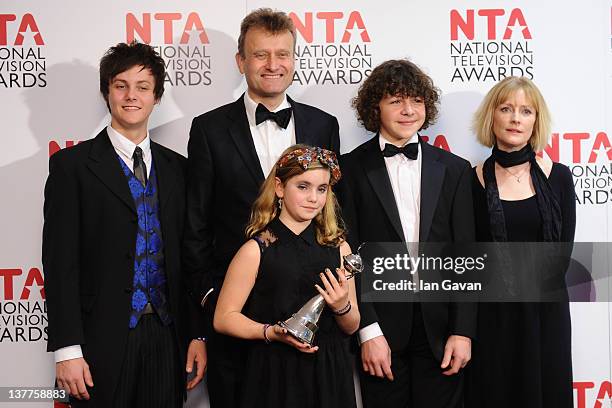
<point x="482" y="123"/>
<point x="329" y="227"/>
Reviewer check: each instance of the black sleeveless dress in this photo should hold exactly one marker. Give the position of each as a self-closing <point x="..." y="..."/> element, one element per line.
<point x="278" y="375"/>
<point x="522" y="354"/>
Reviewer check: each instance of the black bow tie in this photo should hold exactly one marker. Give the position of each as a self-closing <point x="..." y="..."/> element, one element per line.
<point x="282" y="117"/>
<point x="411" y="150"/>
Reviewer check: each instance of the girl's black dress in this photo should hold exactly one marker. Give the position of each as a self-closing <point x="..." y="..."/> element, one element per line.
<point x="278" y="375"/>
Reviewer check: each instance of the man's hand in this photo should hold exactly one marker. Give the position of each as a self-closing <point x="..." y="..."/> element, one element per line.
<point x="376" y="357"/>
<point x="196" y="353"/>
<point x="457" y="353"/>
<point x="72" y="376"/>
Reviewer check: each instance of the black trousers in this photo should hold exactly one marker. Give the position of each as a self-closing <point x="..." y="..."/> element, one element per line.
<point x="418" y="380"/>
<point x="150" y="376"/>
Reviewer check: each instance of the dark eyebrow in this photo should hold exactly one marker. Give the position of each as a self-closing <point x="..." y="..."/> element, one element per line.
<point x="123" y="81"/>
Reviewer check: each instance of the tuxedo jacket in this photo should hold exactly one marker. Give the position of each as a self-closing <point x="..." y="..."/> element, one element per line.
<point x="224" y="176"/>
<point x="446" y="215"/>
<point x="89" y="241"/>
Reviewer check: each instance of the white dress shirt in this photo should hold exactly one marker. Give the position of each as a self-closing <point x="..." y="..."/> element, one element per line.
<point x="270" y="139"/>
<point x="125" y="149"/>
<point x="405" y="177"/>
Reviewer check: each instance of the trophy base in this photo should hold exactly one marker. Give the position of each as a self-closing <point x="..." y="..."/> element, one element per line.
<point x="303" y="331"/>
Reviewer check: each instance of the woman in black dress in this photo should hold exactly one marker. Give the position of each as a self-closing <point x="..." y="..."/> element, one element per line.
<point x="522" y="357"/>
<point x="295" y="241"/>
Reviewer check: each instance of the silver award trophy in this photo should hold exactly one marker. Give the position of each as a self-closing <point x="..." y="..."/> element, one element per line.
<point x="303" y="324"/>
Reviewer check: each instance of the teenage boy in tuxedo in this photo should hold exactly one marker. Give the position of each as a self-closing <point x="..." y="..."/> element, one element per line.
<point x="120" y="325"/>
<point x="397" y="188"/>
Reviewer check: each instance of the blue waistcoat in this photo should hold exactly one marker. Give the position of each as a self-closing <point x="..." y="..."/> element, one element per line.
<point x="149" y="283"/>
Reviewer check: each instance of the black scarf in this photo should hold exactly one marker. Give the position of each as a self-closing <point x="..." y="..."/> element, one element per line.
<point x="549" y="209"/>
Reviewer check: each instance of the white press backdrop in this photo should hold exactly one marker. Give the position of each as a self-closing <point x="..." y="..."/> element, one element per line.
<point x="49" y="96"/>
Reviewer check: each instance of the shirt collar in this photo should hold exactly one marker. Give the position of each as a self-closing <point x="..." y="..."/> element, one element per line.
<point x="250" y="106"/>
<point x="125" y="145"/>
<point x="284" y="233"/>
<point x="382" y="141"/>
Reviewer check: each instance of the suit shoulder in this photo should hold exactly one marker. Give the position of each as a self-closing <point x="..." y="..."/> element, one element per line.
<point x="352" y="163"/>
<point x="358" y="152"/>
<point x="73" y="153"/>
<point x="214" y="114"/>
<point x="172" y="156"/>
<point x="314" y="111"/>
<point x="170" y="153"/>
<point x="451" y="158"/>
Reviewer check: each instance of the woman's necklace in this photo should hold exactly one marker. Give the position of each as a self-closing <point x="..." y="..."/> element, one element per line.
<point x="517" y="176"/>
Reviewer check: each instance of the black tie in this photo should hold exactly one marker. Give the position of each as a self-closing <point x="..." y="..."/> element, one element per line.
<point x="411" y="150"/>
<point x="140" y="168"/>
<point x="281" y="117"/>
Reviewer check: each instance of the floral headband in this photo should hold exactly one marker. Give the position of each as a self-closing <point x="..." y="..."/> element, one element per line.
<point x="308" y="155"/>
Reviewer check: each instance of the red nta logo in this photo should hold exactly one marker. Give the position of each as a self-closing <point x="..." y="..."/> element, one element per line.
<point x="192" y="25"/>
<point x="581" y="387"/>
<point x="581" y="142"/>
<point x="34" y="277"/>
<point x="353" y="25"/>
<point x="27" y="26"/>
<point x="465" y="23"/>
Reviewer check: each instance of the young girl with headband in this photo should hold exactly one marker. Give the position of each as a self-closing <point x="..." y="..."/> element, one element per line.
<point x="295" y="240"/>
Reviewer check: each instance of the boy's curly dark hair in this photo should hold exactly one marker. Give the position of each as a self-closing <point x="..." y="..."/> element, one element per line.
<point x="396" y="78"/>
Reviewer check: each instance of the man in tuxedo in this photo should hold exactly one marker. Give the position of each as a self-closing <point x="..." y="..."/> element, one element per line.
<point x="397" y="188"/>
<point x="114" y="215"/>
<point x="231" y="150"/>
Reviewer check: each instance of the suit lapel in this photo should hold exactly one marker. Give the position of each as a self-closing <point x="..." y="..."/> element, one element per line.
<point x="376" y="172"/>
<point x="301" y="124"/>
<point x="241" y="134"/>
<point x="432" y="177"/>
<point x="166" y="174"/>
<point x="104" y="163"/>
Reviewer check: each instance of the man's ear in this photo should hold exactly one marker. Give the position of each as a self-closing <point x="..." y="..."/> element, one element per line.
<point x="240" y="62"/>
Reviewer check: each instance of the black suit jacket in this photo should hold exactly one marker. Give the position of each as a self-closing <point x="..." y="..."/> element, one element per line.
<point x="89" y="240"/>
<point x="446" y="215"/>
<point x="224" y="176"/>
